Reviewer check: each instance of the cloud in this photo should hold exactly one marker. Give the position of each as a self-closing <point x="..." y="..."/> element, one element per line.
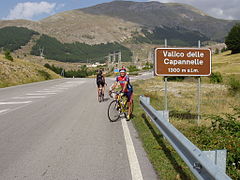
<point x="217" y="8"/>
<point x="29" y="10"/>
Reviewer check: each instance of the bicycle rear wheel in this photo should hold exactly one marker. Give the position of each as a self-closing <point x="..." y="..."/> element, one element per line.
<point x="113" y="113"/>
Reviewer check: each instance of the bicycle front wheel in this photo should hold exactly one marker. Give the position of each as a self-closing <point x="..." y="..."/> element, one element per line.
<point x="113" y="113"/>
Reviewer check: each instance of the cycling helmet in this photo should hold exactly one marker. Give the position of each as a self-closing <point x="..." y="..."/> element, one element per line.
<point x="123" y="70"/>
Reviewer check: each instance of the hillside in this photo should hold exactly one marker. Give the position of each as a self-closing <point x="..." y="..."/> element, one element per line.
<point x="12" y="38"/>
<point x="78" y="52"/>
<point x="21" y="72"/>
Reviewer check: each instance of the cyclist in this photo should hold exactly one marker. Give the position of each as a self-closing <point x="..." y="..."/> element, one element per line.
<point x="100" y="80"/>
<point x="127" y="89"/>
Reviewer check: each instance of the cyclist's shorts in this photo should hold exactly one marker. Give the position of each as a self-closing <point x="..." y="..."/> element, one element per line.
<point x="100" y="84"/>
<point x="129" y="95"/>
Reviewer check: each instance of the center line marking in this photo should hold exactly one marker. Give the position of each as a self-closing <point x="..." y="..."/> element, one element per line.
<point x="40" y="94"/>
<point x="9" y="103"/>
<point x="29" y="97"/>
<point x="132" y="157"/>
<point x="4" y="110"/>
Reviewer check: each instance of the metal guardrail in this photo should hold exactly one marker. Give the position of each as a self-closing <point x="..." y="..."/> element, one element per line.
<point x="198" y="162"/>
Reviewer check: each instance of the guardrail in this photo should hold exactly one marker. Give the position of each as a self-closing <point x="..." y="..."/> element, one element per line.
<point x="198" y="161"/>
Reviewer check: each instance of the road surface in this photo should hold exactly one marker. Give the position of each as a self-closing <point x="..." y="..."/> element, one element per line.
<point x="57" y="130"/>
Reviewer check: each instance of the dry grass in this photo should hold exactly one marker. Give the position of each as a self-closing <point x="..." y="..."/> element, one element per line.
<point x="226" y="63"/>
<point x="21" y="71"/>
<point x="182" y="96"/>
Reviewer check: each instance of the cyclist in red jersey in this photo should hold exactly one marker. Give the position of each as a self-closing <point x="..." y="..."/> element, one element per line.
<point x="127" y="89"/>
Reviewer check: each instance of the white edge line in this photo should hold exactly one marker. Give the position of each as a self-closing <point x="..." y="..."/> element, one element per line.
<point x="132" y="157"/>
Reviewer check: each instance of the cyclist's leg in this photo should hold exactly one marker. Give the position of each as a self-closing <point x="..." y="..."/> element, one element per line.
<point x="98" y="90"/>
<point x="103" y="88"/>
<point x="129" y="103"/>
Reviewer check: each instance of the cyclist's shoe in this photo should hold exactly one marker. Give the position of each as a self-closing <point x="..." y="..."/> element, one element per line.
<point x="128" y="117"/>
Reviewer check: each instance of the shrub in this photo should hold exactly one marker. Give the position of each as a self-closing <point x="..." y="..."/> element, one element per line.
<point x="45" y="74"/>
<point x="176" y="78"/>
<point x="8" y="55"/>
<point x="132" y="68"/>
<point x="234" y="86"/>
<point x="216" y="77"/>
<point x="226" y="130"/>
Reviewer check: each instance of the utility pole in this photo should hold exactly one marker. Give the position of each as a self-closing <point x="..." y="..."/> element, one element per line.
<point x="41" y="50"/>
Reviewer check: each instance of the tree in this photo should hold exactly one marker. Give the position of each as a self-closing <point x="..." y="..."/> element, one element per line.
<point x="233" y="39"/>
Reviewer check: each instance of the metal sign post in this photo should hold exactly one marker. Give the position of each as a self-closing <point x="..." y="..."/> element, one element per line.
<point x="199" y="93"/>
<point x="165" y="85"/>
<point x="165" y="94"/>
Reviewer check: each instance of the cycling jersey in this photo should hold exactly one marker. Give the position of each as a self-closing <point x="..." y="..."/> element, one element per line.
<point x="122" y="81"/>
<point x="100" y="78"/>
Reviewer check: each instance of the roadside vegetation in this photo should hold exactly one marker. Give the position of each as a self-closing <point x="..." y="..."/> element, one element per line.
<point x="82" y="72"/>
<point x="17" y="71"/>
<point x="219" y="126"/>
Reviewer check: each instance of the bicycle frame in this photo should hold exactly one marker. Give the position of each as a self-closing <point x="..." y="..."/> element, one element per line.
<point x="122" y="103"/>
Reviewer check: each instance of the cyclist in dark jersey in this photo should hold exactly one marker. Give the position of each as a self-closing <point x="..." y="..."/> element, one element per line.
<point x="100" y="80"/>
<point x="127" y="89"/>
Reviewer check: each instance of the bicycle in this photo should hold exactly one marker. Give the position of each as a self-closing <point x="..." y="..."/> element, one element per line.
<point x="100" y="95"/>
<point x="117" y="107"/>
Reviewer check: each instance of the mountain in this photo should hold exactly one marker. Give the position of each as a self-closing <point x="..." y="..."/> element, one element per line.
<point x="156" y="14"/>
<point x="75" y="26"/>
<point x="135" y="25"/>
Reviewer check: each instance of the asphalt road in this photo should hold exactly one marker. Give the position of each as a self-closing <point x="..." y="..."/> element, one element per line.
<point x="58" y="130"/>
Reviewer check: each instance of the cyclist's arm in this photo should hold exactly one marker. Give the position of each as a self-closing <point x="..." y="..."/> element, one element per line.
<point x="113" y="86"/>
<point x="125" y="86"/>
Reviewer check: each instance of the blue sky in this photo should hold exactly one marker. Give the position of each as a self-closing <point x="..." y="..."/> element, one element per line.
<point x="38" y="9"/>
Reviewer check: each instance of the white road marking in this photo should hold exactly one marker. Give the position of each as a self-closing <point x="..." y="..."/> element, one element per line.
<point x="53" y="91"/>
<point x="10" y="103"/>
<point x="40" y="94"/>
<point x="29" y="97"/>
<point x="61" y="88"/>
<point x="4" y="110"/>
<point x="132" y="157"/>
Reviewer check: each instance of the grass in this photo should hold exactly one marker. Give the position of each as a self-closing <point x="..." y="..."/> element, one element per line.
<point x="226" y="63"/>
<point x="21" y="72"/>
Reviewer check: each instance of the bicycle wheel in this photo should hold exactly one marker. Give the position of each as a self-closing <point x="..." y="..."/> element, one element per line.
<point x="113" y="113"/>
<point x="100" y="96"/>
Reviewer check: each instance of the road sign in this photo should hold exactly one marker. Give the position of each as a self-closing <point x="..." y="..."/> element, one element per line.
<point x="182" y="62"/>
<point x="116" y="70"/>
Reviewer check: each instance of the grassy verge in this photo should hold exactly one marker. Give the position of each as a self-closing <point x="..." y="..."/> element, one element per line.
<point x="182" y="105"/>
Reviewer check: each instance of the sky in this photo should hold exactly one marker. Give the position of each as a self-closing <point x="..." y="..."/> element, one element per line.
<point x="38" y="9"/>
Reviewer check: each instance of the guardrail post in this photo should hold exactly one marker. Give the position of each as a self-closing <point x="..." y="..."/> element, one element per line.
<point x="164" y="115"/>
<point x="219" y="158"/>
<point x="146" y="99"/>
